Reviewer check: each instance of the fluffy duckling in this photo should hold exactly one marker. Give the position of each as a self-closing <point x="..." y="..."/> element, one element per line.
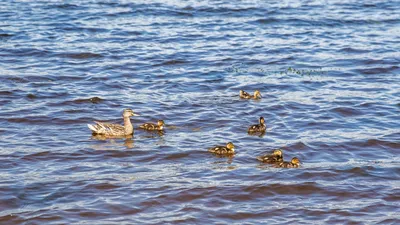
<point x="229" y="149"/>
<point x="245" y="95"/>
<point x="275" y="157"/>
<point x="151" y="126"/>
<point x="261" y="127"/>
<point x="109" y="129"/>
<point x="294" y="163"/>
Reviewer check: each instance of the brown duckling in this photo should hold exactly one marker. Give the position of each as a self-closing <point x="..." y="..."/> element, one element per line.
<point x="245" y="95"/>
<point x="229" y="149"/>
<point x="294" y="163"/>
<point x="261" y="127"/>
<point x="151" y="126"/>
<point x="109" y="129"/>
<point x="275" y="157"/>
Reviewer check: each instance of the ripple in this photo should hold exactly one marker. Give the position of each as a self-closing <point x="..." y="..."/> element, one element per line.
<point x="346" y="111"/>
<point x="82" y="56"/>
<point x="327" y="73"/>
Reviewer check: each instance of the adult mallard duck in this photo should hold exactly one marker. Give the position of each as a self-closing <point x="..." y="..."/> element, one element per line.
<point x="294" y="163"/>
<point x="261" y="127"/>
<point x="275" y="157"/>
<point x="245" y="95"/>
<point x="229" y="149"/>
<point x="151" y="126"/>
<point x="109" y="129"/>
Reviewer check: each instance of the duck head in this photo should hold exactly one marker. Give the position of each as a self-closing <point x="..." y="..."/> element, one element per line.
<point x="262" y="121"/>
<point x="128" y="113"/>
<point x="277" y="152"/>
<point x="257" y="94"/>
<point x="295" y="161"/>
<point x="230" y="146"/>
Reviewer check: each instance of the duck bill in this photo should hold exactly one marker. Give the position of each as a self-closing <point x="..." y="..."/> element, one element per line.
<point x="135" y="114"/>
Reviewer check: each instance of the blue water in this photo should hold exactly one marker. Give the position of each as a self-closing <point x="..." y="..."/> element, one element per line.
<point x="328" y="72"/>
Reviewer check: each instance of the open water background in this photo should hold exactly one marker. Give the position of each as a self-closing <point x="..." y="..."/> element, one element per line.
<point x="328" y="72"/>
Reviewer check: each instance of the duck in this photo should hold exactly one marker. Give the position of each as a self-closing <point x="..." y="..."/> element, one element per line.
<point x="151" y="126"/>
<point x="245" y="95"/>
<point x="261" y="127"/>
<point x="275" y="157"/>
<point x="109" y="129"/>
<point x="294" y="163"/>
<point x="229" y="149"/>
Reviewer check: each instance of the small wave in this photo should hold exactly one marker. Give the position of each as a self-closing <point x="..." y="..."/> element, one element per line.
<point x="171" y="62"/>
<point x="267" y="21"/>
<point x="102" y="186"/>
<point x="5" y="36"/>
<point x="353" y="50"/>
<point x="378" y="70"/>
<point x="5" y="93"/>
<point x="84" y="55"/>
<point x="94" y="100"/>
<point x="66" y="6"/>
<point x="378" y="143"/>
<point x="31" y="96"/>
<point x="346" y="111"/>
<point x="297" y="146"/>
<point x="21" y="52"/>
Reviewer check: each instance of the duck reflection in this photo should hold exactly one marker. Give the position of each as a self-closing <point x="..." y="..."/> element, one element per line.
<point x="113" y="141"/>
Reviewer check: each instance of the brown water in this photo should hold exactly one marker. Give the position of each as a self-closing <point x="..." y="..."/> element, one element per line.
<point x="328" y="73"/>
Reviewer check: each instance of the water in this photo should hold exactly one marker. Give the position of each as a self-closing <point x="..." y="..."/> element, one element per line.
<point x="328" y="72"/>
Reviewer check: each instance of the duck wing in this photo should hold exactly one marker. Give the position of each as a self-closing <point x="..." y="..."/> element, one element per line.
<point x="106" y="128"/>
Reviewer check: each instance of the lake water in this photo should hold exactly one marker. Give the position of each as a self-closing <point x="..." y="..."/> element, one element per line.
<point x="328" y="72"/>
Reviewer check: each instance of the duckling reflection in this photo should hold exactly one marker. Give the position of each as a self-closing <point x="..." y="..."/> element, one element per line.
<point x="294" y="163"/>
<point x="229" y="149"/>
<point x="154" y="134"/>
<point x="113" y="130"/>
<point x="275" y="157"/>
<point x="245" y="95"/>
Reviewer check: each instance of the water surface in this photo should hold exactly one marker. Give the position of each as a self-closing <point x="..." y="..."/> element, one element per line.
<point x="328" y="72"/>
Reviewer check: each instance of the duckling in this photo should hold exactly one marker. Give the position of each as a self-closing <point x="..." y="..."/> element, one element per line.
<point x="294" y="163"/>
<point x="245" y="95"/>
<point x="151" y="126"/>
<point x="261" y="127"/>
<point x="109" y="129"/>
<point x="229" y="149"/>
<point x="275" y="157"/>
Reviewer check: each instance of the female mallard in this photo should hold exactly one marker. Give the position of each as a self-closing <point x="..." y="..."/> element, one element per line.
<point x="109" y="129"/>
<point x="151" y="126"/>
<point x="258" y="127"/>
<point x="294" y="163"/>
<point x="245" y="95"/>
<point x="275" y="157"/>
<point x="229" y="149"/>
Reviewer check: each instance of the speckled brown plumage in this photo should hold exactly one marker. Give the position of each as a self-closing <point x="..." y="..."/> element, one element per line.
<point x="151" y="126"/>
<point x="261" y="127"/>
<point x="275" y="157"/>
<point x="294" y="163"/>
<point x="223" y="150"/>
<point x="245" y="95"/>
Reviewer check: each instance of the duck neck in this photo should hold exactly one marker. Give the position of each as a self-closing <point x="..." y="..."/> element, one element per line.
<point x="128" y="126"/>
